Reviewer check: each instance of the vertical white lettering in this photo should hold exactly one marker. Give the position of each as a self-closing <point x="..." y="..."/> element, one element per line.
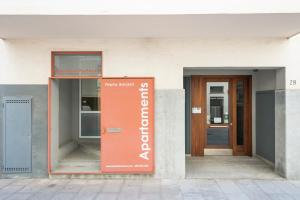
<point x="144" y="124"/>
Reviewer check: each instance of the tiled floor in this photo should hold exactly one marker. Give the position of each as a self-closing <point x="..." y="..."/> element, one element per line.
<point x="229" y="167"/>
<point x="83" y="159"/>
<point x="152" y="189"/>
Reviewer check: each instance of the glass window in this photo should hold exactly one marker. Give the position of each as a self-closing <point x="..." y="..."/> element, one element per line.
<point x="89" y="108"/>
<point x="77" y="65"/>
<point x="90" y="124"/>
<point x="217" y="113"/>
<point x="240" y="98"/>
<point x="89" y="95"/>
<point x="217" y="103"/>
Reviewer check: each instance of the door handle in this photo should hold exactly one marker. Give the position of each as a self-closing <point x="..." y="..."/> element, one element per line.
<point x="113" y="130"/>
<point x="218" y="126"/>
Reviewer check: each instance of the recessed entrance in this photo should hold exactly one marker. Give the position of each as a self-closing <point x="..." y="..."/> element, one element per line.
<point x="118" y="138"/>
<point x="220" y="115"/>
<point x="75" y="136"/>
<point x="231" y="118"/>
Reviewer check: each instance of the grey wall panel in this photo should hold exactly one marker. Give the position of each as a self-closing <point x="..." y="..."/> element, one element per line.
<point x="16" y="134"/>
<point x="265" y="124"/>
<point x="39" y="123"/>
<point x="187" y="87"/>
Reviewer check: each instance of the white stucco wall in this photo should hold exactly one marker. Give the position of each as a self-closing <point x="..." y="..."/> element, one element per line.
<point x="28" y="61"/>
<point x="293" y="62"/>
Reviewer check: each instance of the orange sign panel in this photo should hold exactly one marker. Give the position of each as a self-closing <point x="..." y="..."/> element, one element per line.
<point x="127" y="125"/>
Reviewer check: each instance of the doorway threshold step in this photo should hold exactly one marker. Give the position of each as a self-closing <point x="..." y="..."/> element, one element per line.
<point x="218" y="152"/>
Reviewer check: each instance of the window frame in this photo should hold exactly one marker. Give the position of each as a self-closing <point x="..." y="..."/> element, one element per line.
<point x="54" y="53"/>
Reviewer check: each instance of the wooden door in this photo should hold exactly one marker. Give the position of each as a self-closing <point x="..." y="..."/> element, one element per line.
<point x="197" y="137"/>
<point x="242" y="116"/>
<point x="234" y="122"/>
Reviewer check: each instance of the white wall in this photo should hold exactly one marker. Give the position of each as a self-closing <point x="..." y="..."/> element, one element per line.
<point x="293" y="62"/>
<point x="28" y="61"/>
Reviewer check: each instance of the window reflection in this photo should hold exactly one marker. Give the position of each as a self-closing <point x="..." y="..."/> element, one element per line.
<point x="90" y="112"/>
<point x="217" y="103"/>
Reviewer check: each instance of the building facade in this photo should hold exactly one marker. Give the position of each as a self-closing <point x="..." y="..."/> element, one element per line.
<point x="135" y="89"/>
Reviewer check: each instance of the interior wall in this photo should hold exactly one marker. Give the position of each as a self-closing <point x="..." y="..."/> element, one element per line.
<point x="280" y="78"/>
<point x="68" y="111"/>
<point x="268" y="84"/>
<point x="75" y="110"/>
<point x="265" y="80"/>
<point x="65" y="112"/>
<point x="265" y="124"/>
<point x="262" y="80"/>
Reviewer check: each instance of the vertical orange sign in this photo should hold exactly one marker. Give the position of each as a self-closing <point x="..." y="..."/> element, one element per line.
<point x="127" y="125"/>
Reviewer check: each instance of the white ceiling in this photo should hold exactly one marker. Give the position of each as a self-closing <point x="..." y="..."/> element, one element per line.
<point x="204" y="25"/>
<point x="147" y="7"/>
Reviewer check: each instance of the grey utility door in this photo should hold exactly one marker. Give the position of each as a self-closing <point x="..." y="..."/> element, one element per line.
<point x="17" y="134"/>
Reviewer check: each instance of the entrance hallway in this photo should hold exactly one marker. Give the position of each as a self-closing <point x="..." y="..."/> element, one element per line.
<point x="228" y="167"/>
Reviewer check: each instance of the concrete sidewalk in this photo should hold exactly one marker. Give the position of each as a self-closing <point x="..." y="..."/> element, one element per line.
<point x="188" y="189"/>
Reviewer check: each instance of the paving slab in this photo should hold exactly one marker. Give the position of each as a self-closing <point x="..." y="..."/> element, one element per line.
<point x="107" y="196"/>
<point x="19" y="196"/>
<point x="164" y="189"/>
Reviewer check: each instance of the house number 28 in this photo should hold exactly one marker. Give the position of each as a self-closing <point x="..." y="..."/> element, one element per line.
<point x="293" y="82"/>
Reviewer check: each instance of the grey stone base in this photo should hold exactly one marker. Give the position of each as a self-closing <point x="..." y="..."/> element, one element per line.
<point x="169" y="134"/>
<point x="292" y="135"/>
